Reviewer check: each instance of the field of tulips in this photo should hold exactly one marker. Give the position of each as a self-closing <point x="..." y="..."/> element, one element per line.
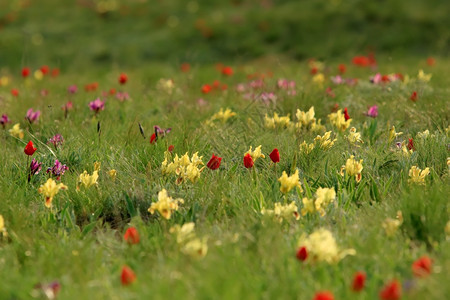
<point x="266" y="180"/>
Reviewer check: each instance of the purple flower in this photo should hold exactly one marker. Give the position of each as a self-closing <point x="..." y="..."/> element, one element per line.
<point x="161" y="132"/>
<point x="72" y="89"/>
<point x="3" y="120"/>
<point x="57" y="170"/>
<point x="32" y="116"/>
<point x="372" y="112"/>
<point x="56" y="140"/>
<point x="35" y="167"/>
<point x="97" y="105"/>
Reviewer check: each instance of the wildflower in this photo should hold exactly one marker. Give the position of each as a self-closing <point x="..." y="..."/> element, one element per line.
<point x="353" y="168"/>
<point x="97" y="105"/>
<point x="413" y="96"/>
<point x="288" y="183"/>
<point x="170" y="148"/>
<point x="4" y="81"/>
<point x="339" y="120"/>
<point x="51" y="290"/>
<point x="29" y="149"/>
<point x="319" y="78"/>
<point x="227" y="71"/>
<point x="35" y="167"/>
<point x="276" y="121"/>
<point x="275" y="155"/>
<point x="97" y="166"/>
<point x="15" y="131"/>
<point x="306" y="148"/>
<point x="431" y="61"/>
<point x="123" y="78"/>
<point x="359" y="280"/>
<point x="55" y="72"/>
<point x="122" y="96"/>
<point x="214" y="162"/>
<point x="324" y="196"/>
<point x="4" y="120"/>
<point x="342" y="68"/>
<point x="354" y="137"/>
<point x="127" y="276"/>
<point x="57" y="170"/>
<point x="422" y="266"/>
<point x="393" y="134"/>
<point x="32" y="116"/>
<point x="185" y="67"/>
<point x="248" y="161"/>
<point x="322" y="246"/>
<point x="424" y="134"/>
<point x="306" y="118"/>
<point x="112" y="174"/>
<point x="346" y="115"/>
<point x="184" y="233"/>
<point x="91" y="86"/>
<point x="361" y="61"/>
<point x="72" y="89"/>
<point x="423" y="77"/>
<point x="44" y="69"/>
<point x="417" y="175"/>
<point x="302" y="254"/>
<point x="223" y="115"/>
<point x="196" y="248"/>
<point x="255" y="154"/>
<point x="330" y="93"/>
<point x="184" y="167"/>
<point x="391" y="225"/>
<point x="308" y="206"/>
<point x="2" y="227"/>
<point x="131" y="236"/>
<point x="282" y="212"/>
<point x="206" y="88"/>
<point x="56" y="140"/>
<point x="325" y="142"/>
<point x="153" y="138"/>
<point x="165" y="205"/>
<point x="372" y="111"/>
<point x="25" y="72"/>
<point x="15" y="92"/>
<point x="49" y="190"/>
<point x="391" y="291"/>
<point x="324" y="295"/>
<point x="38" y="75"/>
<point x="88" y="180"/>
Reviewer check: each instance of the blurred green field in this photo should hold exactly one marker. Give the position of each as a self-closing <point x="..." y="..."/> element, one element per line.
<point x="87" y="33"/>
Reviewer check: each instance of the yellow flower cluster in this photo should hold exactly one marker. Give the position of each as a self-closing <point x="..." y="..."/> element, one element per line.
<point x="282" y="212"/>
<point x="277" y="121"/>
<point x="15" y="131"/>
<point x="322" y="246"/>
<point x="354" y="137"/>
<point x="306" y="148"/>
<point x="191" y="245"/>
<point x="393" y="134"/>
<point x="391" y="225"/>
<point x="165" y="205"/>
<point x="288" y="183"/>
<point x="324" y="196"/>
<point x="417" y="175"/>
<point x="325" y="142"/>
<point x="88" y="180"/>
<point x="49" y="190"/>
<point x="308" y="121"/>
<point x="423" y="77"/>
<point x="337" y="119"/>
<point x="353" y="168"/>
<point x="255" y="154"/>
<point x="166" y="85"/>
<point x="112" y="174"/>
<point x="222" y="115"/>
<point x="184" y="167"/>
<point x="3" y="231"/>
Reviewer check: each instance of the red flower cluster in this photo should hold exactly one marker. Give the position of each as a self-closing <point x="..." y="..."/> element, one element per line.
<point x="364" y="61"/>
<point x="90" y="87"/>
<point x="216" y="85"/>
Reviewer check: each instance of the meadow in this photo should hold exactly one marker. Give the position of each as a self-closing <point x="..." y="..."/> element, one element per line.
<point x="220" y="170"/>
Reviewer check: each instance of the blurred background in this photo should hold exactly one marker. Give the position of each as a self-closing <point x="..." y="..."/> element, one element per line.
<point x="127" y="33"/>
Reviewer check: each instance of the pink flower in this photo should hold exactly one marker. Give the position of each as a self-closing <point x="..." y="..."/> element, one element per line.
<point x="32" y="116"/>
<point x="3" y="120"/>
<point x="372" y="112"/>
<point x="72" y="89"/>
<point x="97" y="105"/>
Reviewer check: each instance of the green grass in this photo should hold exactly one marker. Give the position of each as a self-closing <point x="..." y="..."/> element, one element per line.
<point x="79" y="242"/>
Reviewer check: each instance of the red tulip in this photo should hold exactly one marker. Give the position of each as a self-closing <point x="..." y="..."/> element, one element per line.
<point x="153" y="138"/>
<point x="411" y="144"/>
<point x="248" y="161"/>
<point x="214" y="162"/>
<point x="170" y="149"/>
<point x="123" y="78"/>
<point x="206" y="88"/>
<point x="346" y="116"/>
<point x="359" y="280"/>
<point x="342" y="68"/>
<point x="275" y="155"/>
<point x="324" y="295"/>
<point x="127" y="277"/>
<point x="391" y="291"/>
<point x="227" y="71"/>
<point x="44" y="69"/>
<point x="15" y="92"/>
<point x="29" y="149"/>
<point x="131" y="236"/>
<point x="413" y="96"/>
<point x="422" y="266"/>
<point x="25" y="72"/>
<point x="302" y="254"/>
